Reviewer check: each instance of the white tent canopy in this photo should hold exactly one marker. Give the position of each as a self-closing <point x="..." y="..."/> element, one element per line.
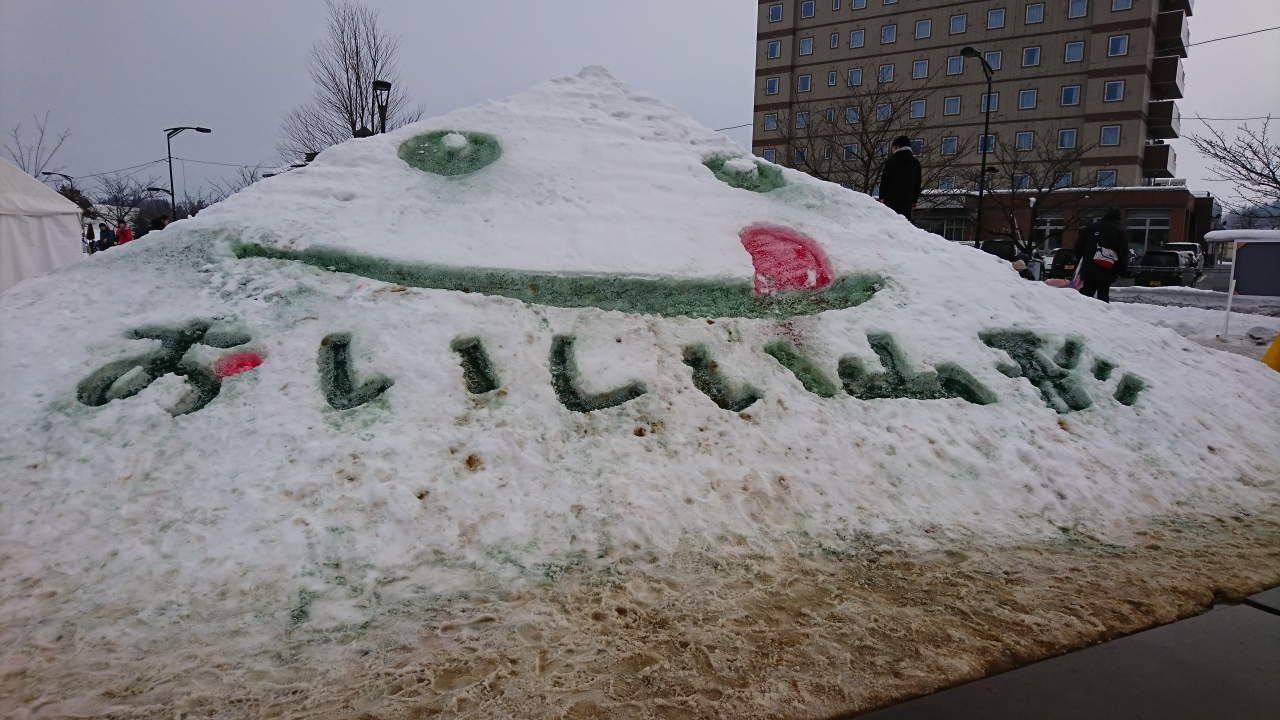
<point x="39" y="229"/>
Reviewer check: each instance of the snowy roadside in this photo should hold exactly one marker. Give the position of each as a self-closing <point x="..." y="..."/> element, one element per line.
<point x="1197" y="298"/>
<point x="1204" y="327"/>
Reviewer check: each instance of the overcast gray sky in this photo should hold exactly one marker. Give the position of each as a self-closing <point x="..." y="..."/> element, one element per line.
<point x="116" y="73"/>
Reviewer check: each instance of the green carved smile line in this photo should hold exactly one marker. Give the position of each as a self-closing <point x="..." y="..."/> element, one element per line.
<point x="665" y="297"/>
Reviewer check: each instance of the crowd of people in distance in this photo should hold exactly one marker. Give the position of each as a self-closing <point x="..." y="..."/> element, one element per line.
<point x="108" y="238"/>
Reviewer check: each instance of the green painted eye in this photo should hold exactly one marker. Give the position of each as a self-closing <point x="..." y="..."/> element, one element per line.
<point x="450" y="152"/>
<point x="745" y="173"/>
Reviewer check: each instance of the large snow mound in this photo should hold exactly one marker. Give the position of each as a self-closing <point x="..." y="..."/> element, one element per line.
<point x="560" y="351"/>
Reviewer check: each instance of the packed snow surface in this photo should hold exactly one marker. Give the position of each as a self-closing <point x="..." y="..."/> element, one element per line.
<point x="378" y="440"/>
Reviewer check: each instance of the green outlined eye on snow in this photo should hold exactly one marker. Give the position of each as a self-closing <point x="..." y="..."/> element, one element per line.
<point x="745" y="174"/>
<point x="665" y="297"/>
<point x="450" y="152"/>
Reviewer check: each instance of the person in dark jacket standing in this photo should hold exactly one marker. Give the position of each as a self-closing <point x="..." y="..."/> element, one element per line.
<point x="900" y="181"/>
<point x="1104" y="256"/>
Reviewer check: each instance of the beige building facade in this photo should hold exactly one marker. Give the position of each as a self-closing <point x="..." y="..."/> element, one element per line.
<point x="1099" y="75"/>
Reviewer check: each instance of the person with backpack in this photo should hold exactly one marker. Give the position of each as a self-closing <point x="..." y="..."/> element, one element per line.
<point x="1104" y="255"/>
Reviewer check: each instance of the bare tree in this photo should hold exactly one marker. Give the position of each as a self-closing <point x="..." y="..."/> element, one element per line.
<point x="34" y="155"/>
<point x="1033" y="180"/>
<point x="356" y="51"/>
<point x="1251" y="160"/>
<point x="1251" y="217"/>
<point x="245" y="176"/>
<point x="119" y="197"/>
<point x="847" y="139"/>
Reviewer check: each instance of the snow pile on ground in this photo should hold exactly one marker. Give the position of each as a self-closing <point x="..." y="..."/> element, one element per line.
<point x="1205" y="327"/>
<point x="564" y="330"/>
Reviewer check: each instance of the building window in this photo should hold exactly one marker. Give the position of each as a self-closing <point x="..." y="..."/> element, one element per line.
<point x="1071" y="95"/>
<point x="1066" y="139"/>
<point x="1063" y="180"/>
<point x="1027" y="99"/>
<point x="831" y="115"/>
<point x="995" y="19"/>
<point x="806" y="46"/>
<point x="955" y="64"/>
<point x="775" y="13"/>
<point x="888" y="34"/>
<point x="806" y="8"/>
<point x="890" y="2"/>
<point x="801" y="156"/>
<point x="1074" y="52"/>
<point x="950" y="145"/>
<point x="917" y="108"/>
<point x="886" y="73"/>
<point x="826" y="152"/>
<point x="958" y="23"/>
<point x="882" y="150"/>
<point x="995" y="59"/>
<point x="852" y="115"/>
<point x="1023" y="140"/>
<point x="851" y="152"/>
<point x="802" y="120"/>
<point x="1106" y="178"/>
<point x="884" y="112"/>
<point x="855" y="77"/>
<point x="835" y="40"/>
<point x="771" y="121"/>
<point x="917" y="147"/>
<point x="990" y="103"/>
<point x="1147" y="229"/>
<point x="946" y="182"/>
<point x="1110" y="135"/>
<point x="771" y="155"/>
<point x="920" y="69"/>
<point x="924" y="28"/>
<point x="858" y="4"/>
<point x="1118" y="45"/>
<point x="775" y="50"/>
<point x="986" y="143"/>
<point x="1031" y="56"/>
<point x="1035" y="13"/>
<point x="804" y="83"/>
<point x="1021" y="181"/>
<point x="832" y="77"/>
<point x="1078" y="8"/>
<point x="835" y="4"/>
<point x="951" y="106"/>
<point x="857" y="38"/>
<point x="1117" y="5"/>
<point x="1113" y="91"/>
<point x="771" y="86"/>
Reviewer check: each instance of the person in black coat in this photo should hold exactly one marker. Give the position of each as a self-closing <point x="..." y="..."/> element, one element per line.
<point x="1104" y="255"/>
<point x="900" y="181"/>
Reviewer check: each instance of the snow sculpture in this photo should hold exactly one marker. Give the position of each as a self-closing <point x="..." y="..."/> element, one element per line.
<point x="786" y="260"/>
<point x="899" y="381"/>
<point x="564" y="379"/>
<point x="712" y="383"/>
<point x="745" y="173"/>
<point x="337" y="379"/>
<point x="805" y="370"/>
<point x="1058" y="386"/>
<point x="125" y="378"/>
<point x="450" y="153"/>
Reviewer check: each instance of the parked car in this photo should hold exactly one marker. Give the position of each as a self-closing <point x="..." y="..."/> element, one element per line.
<point x="1060" y="263"/>
<point x="1197" y="253"/>
<point x="1164" y="267"/>
<point x="1003" y="249"/>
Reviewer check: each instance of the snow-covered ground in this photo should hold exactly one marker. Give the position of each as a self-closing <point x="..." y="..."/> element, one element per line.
<point x="1205" y="326"/>
<point x="357" y="493"/>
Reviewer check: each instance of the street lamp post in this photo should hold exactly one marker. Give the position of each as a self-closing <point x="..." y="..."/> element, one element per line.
<point x="169" y="133"/>
<point x="381" y="98"/>
<point x="969" y="51"/>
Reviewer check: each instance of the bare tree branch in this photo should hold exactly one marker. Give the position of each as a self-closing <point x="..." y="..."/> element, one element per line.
<point x="119" y="197"/>
<point x="355" y="52"/>
<point x="245" y="176"/>
<point x="1251" y="161"/>
<point x="34" y="156"/>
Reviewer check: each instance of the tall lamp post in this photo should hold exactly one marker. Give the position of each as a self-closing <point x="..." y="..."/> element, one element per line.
<point x="381" y="98"/>
<point x="969" y="51"/>
<point x="169" y="133"/>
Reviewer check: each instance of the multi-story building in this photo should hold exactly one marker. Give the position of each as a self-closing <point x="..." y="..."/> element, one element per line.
<point x="1089" y="82"/>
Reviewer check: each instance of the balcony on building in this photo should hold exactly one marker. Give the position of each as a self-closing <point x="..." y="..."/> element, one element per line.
<point x="1158" y="161"/>
<point x="1168" y="78"/>
<point x="1185" y="6"/>
<point x="1164" y="122"/>
<point x="1172" y="34"/>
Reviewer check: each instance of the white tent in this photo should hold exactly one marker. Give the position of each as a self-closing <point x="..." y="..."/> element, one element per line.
<point x="39" y="229"/>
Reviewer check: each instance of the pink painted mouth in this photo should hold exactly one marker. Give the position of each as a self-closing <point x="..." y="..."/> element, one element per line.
<point x="785" y="260"/>
<point x="236" y="364"/>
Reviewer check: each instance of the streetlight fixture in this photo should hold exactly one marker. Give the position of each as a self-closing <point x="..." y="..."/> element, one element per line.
<point x="70" y="180"/>
<point x="169" y="133"/>
<point x="381" y="98"/>
<point x="984" y="141"/>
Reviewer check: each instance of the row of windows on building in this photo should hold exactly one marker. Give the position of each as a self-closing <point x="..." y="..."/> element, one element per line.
<point x="1029" y="99"/>
<point x="1023" y="141"/>
<point x="1072" y="52"/>
<point x="1033" y="13"/>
